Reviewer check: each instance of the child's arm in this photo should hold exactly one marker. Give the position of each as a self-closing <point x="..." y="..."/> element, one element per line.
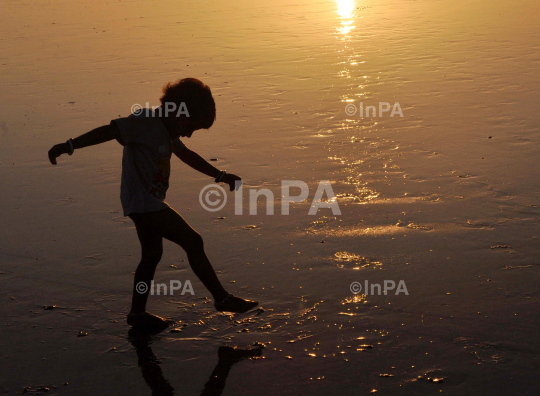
<point x="95" y="136"/>
<point x="197" y="162"/>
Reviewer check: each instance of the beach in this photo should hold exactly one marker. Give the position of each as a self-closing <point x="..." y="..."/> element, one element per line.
<point x="443" y="198"/>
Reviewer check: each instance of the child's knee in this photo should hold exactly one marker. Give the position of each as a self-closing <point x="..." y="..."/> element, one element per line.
<point x="189" y="241"/>
<point x="194" y="241"/>
<point x="152" y="257"/>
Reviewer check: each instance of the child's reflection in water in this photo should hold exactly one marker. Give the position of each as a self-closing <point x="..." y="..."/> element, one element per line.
<point x="160" y="386"/>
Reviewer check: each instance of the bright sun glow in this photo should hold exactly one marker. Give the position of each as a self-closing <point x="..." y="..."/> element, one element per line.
<point x="345" y="8"/>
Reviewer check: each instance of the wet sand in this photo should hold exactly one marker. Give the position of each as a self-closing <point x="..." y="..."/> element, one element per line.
<point x="445" y="198"/>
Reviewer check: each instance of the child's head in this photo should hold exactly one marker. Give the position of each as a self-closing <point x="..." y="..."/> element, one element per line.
<point x="197" y="98"/>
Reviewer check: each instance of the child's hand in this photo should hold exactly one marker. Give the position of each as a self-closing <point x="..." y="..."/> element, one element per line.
<point x="230" y="179"/>
<point x="57" y="151"/>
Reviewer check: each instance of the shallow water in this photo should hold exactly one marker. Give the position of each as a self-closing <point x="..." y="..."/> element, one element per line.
<point x="444" y="198"/>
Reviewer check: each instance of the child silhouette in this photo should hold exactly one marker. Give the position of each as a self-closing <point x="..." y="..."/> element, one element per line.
<point x="149" y="138"/>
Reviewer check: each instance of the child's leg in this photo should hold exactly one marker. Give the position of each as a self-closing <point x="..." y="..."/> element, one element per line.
<point x="170" y="225"/>
<point x="151" y="251"/>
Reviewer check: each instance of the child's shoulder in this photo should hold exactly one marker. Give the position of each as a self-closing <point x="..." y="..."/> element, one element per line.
<point x="143" y="126"/>
<point x="142" y="118"/>
<point x="144" y="114"/>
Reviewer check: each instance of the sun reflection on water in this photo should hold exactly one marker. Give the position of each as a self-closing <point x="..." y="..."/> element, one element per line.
<point x="345" y="10"/>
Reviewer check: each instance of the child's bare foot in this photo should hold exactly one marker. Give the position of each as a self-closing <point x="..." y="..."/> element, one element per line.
<point x="234" y="304"/>
<point x="144" y="319"/>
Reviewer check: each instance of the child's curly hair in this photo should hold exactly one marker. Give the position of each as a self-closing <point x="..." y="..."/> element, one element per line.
<point x="197" y="97"/>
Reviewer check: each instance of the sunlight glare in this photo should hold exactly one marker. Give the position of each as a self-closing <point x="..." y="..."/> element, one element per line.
<point x="345" y="8"/>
